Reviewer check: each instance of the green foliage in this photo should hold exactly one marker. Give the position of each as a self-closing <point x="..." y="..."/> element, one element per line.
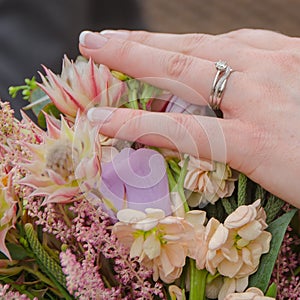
<point x="47" y="264"/>
<point x="29" y="86"/>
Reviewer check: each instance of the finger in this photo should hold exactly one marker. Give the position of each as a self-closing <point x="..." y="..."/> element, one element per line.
<point x="205" y="137"/>
<point x="258" y="38"/>
<point x="187" y="77"/>
<point x="209" y="47"/>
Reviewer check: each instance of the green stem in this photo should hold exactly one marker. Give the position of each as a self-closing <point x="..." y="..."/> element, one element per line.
<point x="242" y="189"/>
<point x="198" y="282"/>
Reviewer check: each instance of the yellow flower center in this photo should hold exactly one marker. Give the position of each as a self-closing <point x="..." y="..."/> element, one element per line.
<point x="61" y="158"/>
<point x="239" y="242"/>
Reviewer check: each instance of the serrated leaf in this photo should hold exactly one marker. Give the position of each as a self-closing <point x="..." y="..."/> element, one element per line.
<point x="277" y="228"/>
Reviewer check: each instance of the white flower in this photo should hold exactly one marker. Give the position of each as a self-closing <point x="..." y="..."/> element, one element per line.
<point x="209" y="180"/>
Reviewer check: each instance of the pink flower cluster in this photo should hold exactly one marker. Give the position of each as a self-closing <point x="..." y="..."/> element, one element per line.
<point x="6" y="294"/>
<point x="288" y="283"/>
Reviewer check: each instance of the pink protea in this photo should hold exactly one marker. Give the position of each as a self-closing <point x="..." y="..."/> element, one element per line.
<point x="82" y="85"/>
<point x="66" y="163"/>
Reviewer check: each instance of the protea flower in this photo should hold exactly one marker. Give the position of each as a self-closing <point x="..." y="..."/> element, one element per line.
<point x="82" y="85"/>
<point x="66" y="163"/>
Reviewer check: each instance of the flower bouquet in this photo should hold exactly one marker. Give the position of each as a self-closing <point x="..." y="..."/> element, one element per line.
<point x="87" y="216"/>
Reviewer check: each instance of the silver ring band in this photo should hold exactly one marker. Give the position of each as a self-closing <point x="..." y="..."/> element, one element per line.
<point x="219" y="84"/>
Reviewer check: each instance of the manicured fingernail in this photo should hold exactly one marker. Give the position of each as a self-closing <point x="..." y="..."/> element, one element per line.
<point x="100" y="115"/>
<point x="119" y="34"/>
<point x="92" y="40"/>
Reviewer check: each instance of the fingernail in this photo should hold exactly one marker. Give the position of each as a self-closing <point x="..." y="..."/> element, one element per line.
<point x="100" y="115"/>
<point x="119" y="34"/>
<point x="92" y="40"/>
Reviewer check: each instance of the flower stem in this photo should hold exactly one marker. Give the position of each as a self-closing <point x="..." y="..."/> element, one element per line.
<point x="198" y="282"/>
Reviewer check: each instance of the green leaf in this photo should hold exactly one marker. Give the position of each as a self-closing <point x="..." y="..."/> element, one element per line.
<point x="49" y="109"/>
<point x="17" y="252"/>
<point x="38" y="100"/>
<point x="272" y="291"/>
<point x="277" y="228"/>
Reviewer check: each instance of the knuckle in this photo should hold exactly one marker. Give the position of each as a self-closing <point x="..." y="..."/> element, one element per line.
<point x="178" y="65"/>
<point x="192" y="41"/>
<point x="124" y="50"/>
<point x="140" y="36"/>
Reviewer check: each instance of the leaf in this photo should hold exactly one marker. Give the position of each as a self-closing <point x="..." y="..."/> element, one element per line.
<point x="38" y="100"/>
<point x="49" y="109"/>
<point x="277" y="228"/>
<point x="17" y="252"/>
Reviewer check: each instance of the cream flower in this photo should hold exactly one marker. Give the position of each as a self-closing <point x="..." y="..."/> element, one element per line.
<point x="235" y="248"/>
<point x="66" y="163"/>
<point x="176" y="293"/>
<point x="250" y="294"/>
<point x="210" y="180"/>
<point x="161" y="242"/>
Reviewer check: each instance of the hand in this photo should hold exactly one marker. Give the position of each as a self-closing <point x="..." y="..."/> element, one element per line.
<point x="260" y="132"/>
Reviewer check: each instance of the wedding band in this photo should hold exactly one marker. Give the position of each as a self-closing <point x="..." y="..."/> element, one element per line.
<point x="219" y="84"/>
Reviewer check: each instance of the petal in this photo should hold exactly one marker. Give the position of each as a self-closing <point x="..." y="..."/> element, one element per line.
<point x="152" y="246"/>
<point x="241" y="284"/>
<point x="219" y="237"/>
<point x="230" y="269"/>
<point x="231" y="254"/>
<point x="227" y="288"/>
<point x="176" y="254"/>
<point x="128" y="215"/>
<point x="137" y="247"/>
<point x="250" y="231"/>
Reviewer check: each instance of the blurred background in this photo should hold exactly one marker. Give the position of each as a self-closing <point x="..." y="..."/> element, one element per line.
<point x="219" y="16"/>
<point x="36" y="32"/>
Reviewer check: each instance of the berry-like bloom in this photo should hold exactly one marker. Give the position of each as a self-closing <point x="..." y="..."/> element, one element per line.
<point x="82" y="85"/>
<point x="66" y="163"/>
<point x="161" y="243"/>
<point x="210" y="180"/>
<point x="235" y="248"/>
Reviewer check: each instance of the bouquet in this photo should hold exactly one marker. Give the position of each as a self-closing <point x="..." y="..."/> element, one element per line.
<point x="88" y="216"/>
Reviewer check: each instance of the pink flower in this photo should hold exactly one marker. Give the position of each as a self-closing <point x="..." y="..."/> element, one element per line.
<point x="82" y="85"/>
<point x="66" y="163"/>
<point x="8" y="210"/>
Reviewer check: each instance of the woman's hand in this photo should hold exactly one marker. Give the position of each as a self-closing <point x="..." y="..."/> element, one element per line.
<point x="260" y="132"/>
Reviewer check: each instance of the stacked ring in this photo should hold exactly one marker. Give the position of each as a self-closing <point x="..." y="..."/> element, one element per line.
<point x="219" y="84"/>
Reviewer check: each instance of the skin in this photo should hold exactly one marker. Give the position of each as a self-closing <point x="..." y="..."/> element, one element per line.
<point x="259" y="134"/>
